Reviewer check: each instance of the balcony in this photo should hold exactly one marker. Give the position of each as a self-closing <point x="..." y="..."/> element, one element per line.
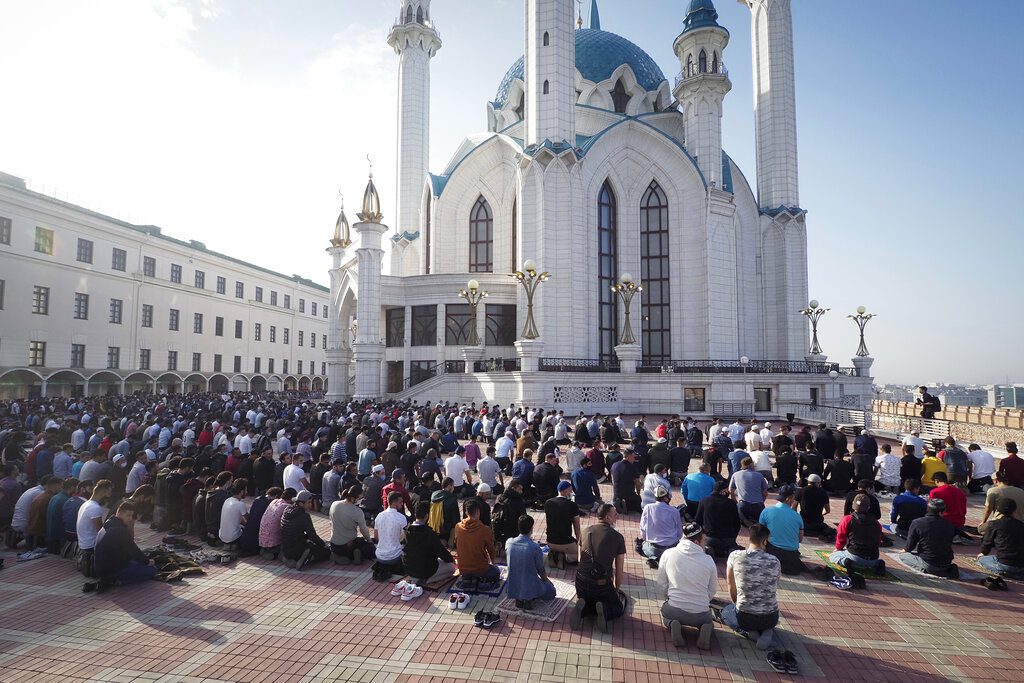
<point x="694" y="72"/>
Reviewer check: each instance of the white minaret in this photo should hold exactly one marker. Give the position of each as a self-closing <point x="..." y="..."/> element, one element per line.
<point x="368" y="348"/>
<point x="771" y="33"/>
<point x="416" y="41"/>
<point x="703" y="85"/>
<point x="550" y="72"/>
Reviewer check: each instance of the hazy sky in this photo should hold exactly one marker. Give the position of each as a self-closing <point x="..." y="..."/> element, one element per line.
<point x="236" y="122"/>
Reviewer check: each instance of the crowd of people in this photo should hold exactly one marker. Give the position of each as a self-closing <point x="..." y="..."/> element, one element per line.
<point x="426" y="492"/>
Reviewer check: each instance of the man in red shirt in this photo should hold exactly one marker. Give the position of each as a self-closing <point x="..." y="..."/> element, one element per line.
<point x="398" y="479"/>
<point x="1012" y="466"/>
<point x="955" y="500"/>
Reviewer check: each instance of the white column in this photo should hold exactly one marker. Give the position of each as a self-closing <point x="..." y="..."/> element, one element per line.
<point x="550" y="115"/>
<point x="439" y="356"/>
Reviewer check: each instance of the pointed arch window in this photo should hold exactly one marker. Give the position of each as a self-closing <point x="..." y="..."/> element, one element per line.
<point x="620" y="98"/>
<point x="655" y="309"/>
<point x="547" y="39"/>
<point x="481" y="237"/>
<point x="515" y="235"/>
<point x="607" y="266"/>
<point x="521" y="107"/>
<point x="702" y="62"/>
<point x="408" y="14"/>
<point x="419" y="15"/>
<point x="546" y="88"/>
<point x="427" y="224"/>
<point x="714" y="62"/>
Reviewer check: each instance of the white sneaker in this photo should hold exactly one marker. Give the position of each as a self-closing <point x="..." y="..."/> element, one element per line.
<point x="464" y="600"/>
<point x="399" y="588"/>
<point x="453" y="601"/>
<point x="411" y="592"/>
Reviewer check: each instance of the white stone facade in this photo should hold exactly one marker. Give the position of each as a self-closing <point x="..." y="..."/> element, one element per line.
<point x="643" y="187"/>
<point x="140" y="284"/>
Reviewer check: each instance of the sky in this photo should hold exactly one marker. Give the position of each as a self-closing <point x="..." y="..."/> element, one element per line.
<point x="238" y="122"/>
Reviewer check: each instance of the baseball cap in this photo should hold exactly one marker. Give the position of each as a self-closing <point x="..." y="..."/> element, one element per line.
<point x="380" y="468"/>
<point x="662" y="440"/>
<point x="483" y="488"/>
<point x="118" y="459"/>
<point x="303" y="496"/>
<point x="563" y="486"/>
<point x="814" y="478"/>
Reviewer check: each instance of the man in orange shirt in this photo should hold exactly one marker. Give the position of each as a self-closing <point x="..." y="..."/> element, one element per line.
<point x="474" y="543"/>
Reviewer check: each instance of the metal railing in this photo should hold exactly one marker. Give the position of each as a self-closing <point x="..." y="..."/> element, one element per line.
<point x="421" y="375"/>
<point x="498" y="365"/>
<point x="839" y="415"/>
<point x="578" y="365"/>
<point x="456" y="366"/>
<point x="732" y="408"/>
<point x="694" y="72"/>
<point x="763" y="367"/>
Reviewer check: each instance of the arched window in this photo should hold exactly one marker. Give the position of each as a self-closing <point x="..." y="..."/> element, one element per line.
<point x="689" y="65"/>
<point x="419" y="15"/>
<point x="546" y="88"/>
<point x="515" y="235"/>
<point x="481" y="237"/>
<point x="547" y="39"/>
<point x="655" y="310"/>
<point x="607" y="266"/>
<point x="426" y="234"/>
<point x="714" y="62"/>
<point x="521" y="107"/>
<point x="702" y="62"/>
<point x="408" y="14"/>
<point x="620" y="98"/>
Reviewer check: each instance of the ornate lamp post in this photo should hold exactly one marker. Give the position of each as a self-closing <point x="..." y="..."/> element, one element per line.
<point x="627" y="289"/>
<point x="861" y="319"/>
<point x="530" y="279"/>
<point x="354" y="329"/>
<point x="473" y="296"/>
<point x="813" y="313"/>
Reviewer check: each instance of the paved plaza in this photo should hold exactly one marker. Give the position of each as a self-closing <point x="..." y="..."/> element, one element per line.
<point x="260" y="621"/>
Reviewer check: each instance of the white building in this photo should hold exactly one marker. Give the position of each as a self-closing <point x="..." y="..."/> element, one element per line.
<point x="90" y="304"/>
<point x="594" y="165"/>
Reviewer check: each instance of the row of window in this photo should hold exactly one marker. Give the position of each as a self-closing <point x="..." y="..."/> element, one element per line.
<point x="500" y="325"/>
<point x="44" y="241"/>
<point x="37" y="358"/>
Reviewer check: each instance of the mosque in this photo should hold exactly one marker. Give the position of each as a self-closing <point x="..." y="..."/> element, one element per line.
<point x="510" y="271"/>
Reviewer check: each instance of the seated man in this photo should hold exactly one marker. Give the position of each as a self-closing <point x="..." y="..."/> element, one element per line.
<point x="786" y="527"/>
<point x="350" y="537"/>
<point x="956" y="503"/>
<point x="562" y="518"/>
<point x="586" y="492"/>
<point x="814" y="505"/>
<point x="474" y="543"/>
<point x="748" y="489"/>
<point x="270" y="523"/>
<point x="657" y="478"/>
<point x="545" y="478"/>
<point x="887" y="467"/>
<point x="838" y="475"/>
<point x="426" y="559"/>
<point x="929" y="545"/>
<point x="600" y="572"/>
<point x="444" y="511"/>
<point x="388" y="529"/>
<point x="689" y="578"/>
<point x="527" y="580"/>
<point x="906" y="507"/>
<point x="1001" y="489"/>
<point x="718" y="517"/>
<point x="1006" y="536"/>
<point x="660" y="527"/>
<point x="117" y="560"/>
<point x="299" y="540"/>
<point x="858" y="538"/>
<point x="234" y="513"/>
<point x="696" y="487"/>
<point x="753" y="579"/>
<point x="864" y="488"/>
<point x="626" y="484"/>
<point x="930" y="466"/>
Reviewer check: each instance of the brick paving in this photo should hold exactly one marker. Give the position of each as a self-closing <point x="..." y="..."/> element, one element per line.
<point x="259" y="621"/>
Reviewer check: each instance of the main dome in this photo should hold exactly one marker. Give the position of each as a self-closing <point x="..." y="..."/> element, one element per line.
<point x="598" y="54"/>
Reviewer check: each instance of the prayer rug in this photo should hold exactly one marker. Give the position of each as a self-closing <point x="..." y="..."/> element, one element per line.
<point x="550" y="610"/>
<point x="460" y="587"/>
<point x="866" y="573"/>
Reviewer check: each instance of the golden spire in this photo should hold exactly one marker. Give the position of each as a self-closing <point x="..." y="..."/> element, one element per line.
<point x="579" y="15"/>
<point x="371" y="200"/>
<point x="342" y="234"/>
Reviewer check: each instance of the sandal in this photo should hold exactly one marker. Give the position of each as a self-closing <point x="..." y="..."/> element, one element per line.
<point x="777" y="660"/>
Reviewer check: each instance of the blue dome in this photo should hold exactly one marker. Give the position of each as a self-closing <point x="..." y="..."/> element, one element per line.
<point x="699" y="14"/>
<point x="598" y="54"/>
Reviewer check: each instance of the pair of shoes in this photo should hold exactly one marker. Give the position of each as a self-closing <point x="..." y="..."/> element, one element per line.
<point x="677" y="633"/>
<point x="601" y="621"/>
<point x="459" y="601"/>
<point x="576" y="616"/>
<point x="486" y="620"/>
<point x="792" y="666"/>
<point x="704" y="638"/>
<point x="411" y="592"/>
<point x="994" y="583"/>
<point x="399" y="588"/>
<point x="777" y="660"/>
<point x="303" y="559"/>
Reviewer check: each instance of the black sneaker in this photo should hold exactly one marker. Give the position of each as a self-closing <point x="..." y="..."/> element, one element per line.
<point x="880" y="569"/>
<point x="792" y="666"/>
<point x="357" y="556"/>
<point x="303" y="559"/>
<point x="601" y="621"/>
<point x="479" y="617"/>
<point x="525" y="605"/>
<point x="490" y="619"/>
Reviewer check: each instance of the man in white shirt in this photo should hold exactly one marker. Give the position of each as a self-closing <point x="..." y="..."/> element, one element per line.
<point x="19" y="522"/>
<point x="234" y="513"/>
<point x="387" y="532"/>
<point x="188" y="438"/>
<point x="503" y="450"/>
<point x="983" y="466"/>
<point x="284" y="444"/>
<point x="753" y="438"/>
<point x="244" y="442"/>
<point x="715" y="429"/>
<point x="736" y="431"/>
<point x="137" y="474"/>
<point x="78" y="440"/>
<point x="914" y="439"/>
<point x="690" y="580"/>
<point x="456" y="467"/>
<point x="90" y="515"/>
<point x="294" y="476"/>
<point x="763" y="464"/>
<point x="766" y="436"/>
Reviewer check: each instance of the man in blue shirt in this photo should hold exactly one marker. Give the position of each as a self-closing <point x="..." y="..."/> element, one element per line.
<point x="626" y="484"/>
<point x="660" y="527"/>
<point x="527" y="580"/>
<point x="584" y="485"/>
<point x="748" y="488"/>
<point x="787" y="531"/>
<point x="907" y="506"/>
<point x="696" y="487"/>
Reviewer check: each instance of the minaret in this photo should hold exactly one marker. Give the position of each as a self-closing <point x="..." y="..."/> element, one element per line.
<point x="703" y="85"/>
<point x="368" y="348"/>
<point x="550" y="72"/>
<point x="338" y="351"/>
<point x="771" y="37"/>
<point x="416" y="41"/>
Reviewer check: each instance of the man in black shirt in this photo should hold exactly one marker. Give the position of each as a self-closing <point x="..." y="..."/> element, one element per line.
<point x="786" y="466"/>
<point x="545" y="478"/>
<point x="679" y="460"/>
<point x="910" y="464"/>
<point x="825" y="442"/>
<point x="1006" y="537"/>
<point x="930" y="542"/>
<point x="117" y="559"/>
<point x="720" y="518"/>
<point x="782" y="441"/>
<point x="299" y="539"/>
<point x="811" y="462"/>
<point x="863" y="486"/>
<point x="563" y="525"/>
<point x="814" y="505"/>
<point x="838" y="475"/>
<point x="424" y="556"/>
<point x="600" y="573"/>
<point x="864" y="466"/>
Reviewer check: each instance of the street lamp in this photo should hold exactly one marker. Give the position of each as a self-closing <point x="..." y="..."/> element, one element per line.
<point x="833" y="375"/>
<point x="861" y="319"/>
<point x="627" y="289"/>
<point x="530" y="279"/>
<point x="744" y="362"/>
<point x="813" y="313"/>
<point x="473" y="296"/>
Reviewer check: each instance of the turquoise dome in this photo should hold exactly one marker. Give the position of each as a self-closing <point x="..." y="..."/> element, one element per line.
<point x="699" y="14"/>
<point x="598" y="54"/>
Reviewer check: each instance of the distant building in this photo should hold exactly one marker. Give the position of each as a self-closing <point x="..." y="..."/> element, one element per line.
<point x="1006" y="396"/>
<point x="964" y="397"/>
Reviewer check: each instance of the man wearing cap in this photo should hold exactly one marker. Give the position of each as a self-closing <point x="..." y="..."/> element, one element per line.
<point x="858" y="538"/>
<point x="398" y="481"/>
<point x="689" y="578"/>
<point x="766" y="436"/>
<point x="786" y="527"/>
<point x="299" y="540"/>
<point x="373" y="491"/>
<point x="914" y="439"/>
<point x="929" y="545"/>
<point x="660" y="526"/>
<point x="563" y="527"/>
